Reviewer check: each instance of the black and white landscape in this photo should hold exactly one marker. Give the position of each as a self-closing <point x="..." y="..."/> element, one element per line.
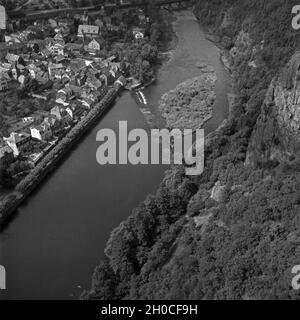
<point x="72" y="228"/>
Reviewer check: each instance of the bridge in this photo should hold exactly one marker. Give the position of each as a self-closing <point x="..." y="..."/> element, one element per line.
<point x="46" y="14"/>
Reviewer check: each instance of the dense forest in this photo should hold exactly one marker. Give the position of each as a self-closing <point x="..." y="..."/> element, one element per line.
<point x="234" y="231"/>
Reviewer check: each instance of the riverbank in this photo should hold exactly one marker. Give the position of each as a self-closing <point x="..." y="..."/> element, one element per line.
<point x="13" y="200"/>
<point x="226" y="61"/>
<point x="224" y="53"/>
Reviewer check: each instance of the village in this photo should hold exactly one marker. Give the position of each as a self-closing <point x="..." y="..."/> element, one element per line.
<point x="52" y="74"/>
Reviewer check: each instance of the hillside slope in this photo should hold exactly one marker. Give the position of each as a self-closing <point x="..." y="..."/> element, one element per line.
<point x="233" y="232"/>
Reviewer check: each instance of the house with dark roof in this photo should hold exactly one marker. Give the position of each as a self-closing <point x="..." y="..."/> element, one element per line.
<point x="77" y="109"/>
<point x="74" y="48"/>
<point x="3" y="50"/>
<point x="108" y="77"/>
<point x="94" y="82"/>
<point x="52" y="121"/>
<point x="77" y="65"/>
<point x="61" y="114"/>
<point x="17" y="48"/>
<point x="42" y="77"/>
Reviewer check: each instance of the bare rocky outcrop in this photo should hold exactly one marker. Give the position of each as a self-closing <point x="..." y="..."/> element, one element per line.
<point x="243" y="45"/>
<point x="202" y="221"/>
<point x="245" y="50"/>
<point x="277" y="132"/>
<point x="218" y="192"/>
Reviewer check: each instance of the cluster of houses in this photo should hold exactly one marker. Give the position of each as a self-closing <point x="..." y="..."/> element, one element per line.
<point x="73" y="71"/>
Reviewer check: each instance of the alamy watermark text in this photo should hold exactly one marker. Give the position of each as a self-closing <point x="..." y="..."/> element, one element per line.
<point x="162" y="146"/>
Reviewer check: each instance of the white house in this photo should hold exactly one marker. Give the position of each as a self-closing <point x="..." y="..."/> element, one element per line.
<point x="138" y="33"/>
<point x="88" y="30"/>
<point x="70" y="112"/>
<point x="94" y="45"/>
<point x="57" y="49"/>
<point x="42" y="132"/>
<point x="28" y="119"/>
<point x="12" y="58"/>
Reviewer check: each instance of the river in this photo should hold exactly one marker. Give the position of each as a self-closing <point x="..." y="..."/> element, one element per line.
<point x="58" y="236"/>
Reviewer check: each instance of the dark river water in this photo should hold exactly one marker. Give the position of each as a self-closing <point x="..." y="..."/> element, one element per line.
<point x="58" y="236"/>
